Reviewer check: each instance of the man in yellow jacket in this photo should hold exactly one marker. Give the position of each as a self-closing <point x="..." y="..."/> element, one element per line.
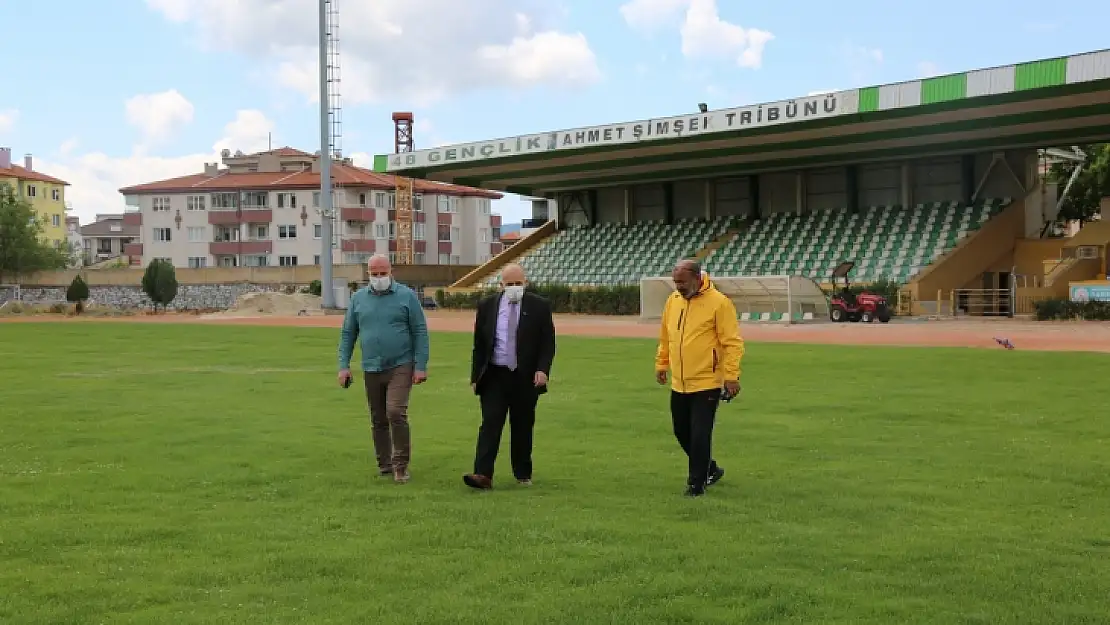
<point x="700" y="346"/>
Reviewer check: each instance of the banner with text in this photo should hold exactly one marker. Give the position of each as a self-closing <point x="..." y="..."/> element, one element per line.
<point x="677" y="127"/>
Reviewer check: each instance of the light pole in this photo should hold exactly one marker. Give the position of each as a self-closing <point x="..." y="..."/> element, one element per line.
<point x="327" y="291"/>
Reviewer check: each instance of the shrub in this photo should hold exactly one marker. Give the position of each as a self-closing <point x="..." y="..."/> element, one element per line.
<point x="313" y="288"/>
<point x="1058" y="309"/>
<point x="77" y="293"/>
<point x="160" y="283"/>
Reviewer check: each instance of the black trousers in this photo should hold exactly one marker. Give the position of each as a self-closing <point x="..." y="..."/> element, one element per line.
<point x="511" y="394"/>
<point x="693" y="415"/>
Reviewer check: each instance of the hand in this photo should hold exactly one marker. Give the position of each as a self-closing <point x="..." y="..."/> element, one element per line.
<point x="419" y="377"/>
<point x="473" y="387"/>
<point x="661" y="377"/>
<point x="732" y="387"/>
<point x="344" y="377"/>
<point x="540" y="379"/>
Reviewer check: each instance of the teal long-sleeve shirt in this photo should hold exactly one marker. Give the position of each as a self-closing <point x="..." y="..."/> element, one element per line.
<point x="390" y="327"/>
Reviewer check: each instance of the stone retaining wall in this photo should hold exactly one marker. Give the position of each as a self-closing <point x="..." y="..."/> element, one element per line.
<point x="189" y="297"/>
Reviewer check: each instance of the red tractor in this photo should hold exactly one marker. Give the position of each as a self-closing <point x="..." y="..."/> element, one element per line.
<point x="844" y="305"/>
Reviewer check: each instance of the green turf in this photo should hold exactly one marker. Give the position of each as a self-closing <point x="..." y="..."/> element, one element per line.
<point x="215" y="475"/>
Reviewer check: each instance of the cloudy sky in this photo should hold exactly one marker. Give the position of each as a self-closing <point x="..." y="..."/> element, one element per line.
<point x="114" y="93"/>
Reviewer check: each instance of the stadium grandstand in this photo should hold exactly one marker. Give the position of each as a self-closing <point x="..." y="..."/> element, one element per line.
<point x="936" y="184"/>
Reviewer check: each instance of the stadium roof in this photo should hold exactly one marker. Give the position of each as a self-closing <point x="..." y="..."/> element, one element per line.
<point x="1063" y="100"/>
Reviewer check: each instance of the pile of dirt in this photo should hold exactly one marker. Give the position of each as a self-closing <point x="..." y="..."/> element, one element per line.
<point x="274" y="304"/>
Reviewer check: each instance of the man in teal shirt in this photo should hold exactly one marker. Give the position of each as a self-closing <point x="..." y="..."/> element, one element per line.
<point x="388" y="320"/>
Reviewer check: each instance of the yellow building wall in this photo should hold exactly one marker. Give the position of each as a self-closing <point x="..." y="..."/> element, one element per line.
<point x="51" y="211"/>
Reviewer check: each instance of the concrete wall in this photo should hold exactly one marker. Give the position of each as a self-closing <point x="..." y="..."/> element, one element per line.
<point x="432" y="275"/>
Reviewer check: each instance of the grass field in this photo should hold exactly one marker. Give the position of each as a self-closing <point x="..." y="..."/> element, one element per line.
<point x="188" y="474"/>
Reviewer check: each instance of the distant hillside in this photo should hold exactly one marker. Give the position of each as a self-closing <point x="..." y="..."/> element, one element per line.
<point x="507" y="228"/>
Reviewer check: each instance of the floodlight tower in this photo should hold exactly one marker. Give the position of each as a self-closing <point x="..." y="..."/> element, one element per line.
<point x="330" y="137"/>
<point x="403" y="142"/>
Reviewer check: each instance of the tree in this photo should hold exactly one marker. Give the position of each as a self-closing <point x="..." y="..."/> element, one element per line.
<point x="22" y="246"/>
<point x="1093" y="183"/>
<point x="160" y="283"/>
<point x="77" y="293"/>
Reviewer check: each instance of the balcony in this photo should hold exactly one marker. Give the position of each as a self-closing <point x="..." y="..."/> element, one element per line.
<point x="133" y="249"/>
<point x="235" y="248"/>
<point x="495" y="221"/>
<point x="231" y="216"/>
<point x="132" y="217"/>
<point x="359" y="245"/>
<point x="352" y="213"/>
<point x="416" y="217"/>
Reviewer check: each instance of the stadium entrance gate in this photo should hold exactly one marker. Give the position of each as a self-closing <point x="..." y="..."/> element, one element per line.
<point x="785" y="299"/>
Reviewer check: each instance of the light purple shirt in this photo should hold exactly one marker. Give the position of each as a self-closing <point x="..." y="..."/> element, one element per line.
<point x="504" y="346"/>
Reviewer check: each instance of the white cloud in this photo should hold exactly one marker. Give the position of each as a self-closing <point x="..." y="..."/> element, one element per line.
<point x="158" y="115"/>
<point x="650" y="15"/>
<point x="8" y="118"/>
<point x="95" y="177"/>
<point x="704" y="33"/>
<point x="928" y="69"/>
<point x="416" y="51"/>
<point x="68" y="146"/>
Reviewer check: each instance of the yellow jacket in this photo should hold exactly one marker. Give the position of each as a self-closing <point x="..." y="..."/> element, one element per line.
<point x="699" y="340"/>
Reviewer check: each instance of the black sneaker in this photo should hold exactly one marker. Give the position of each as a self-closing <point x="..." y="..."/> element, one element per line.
<point x="715" y="475"/>
<point x="695" y="491"/>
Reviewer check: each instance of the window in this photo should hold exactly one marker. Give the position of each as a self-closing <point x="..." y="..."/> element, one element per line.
<point x="225" y="234"/>
<point x="287" y="261"/>
<point x="32" y="191"/>
<point x="56" y="220"/>
<point x="195" y="203"/>
<point x="392" y="257"/>
<point x="162" y="235"/>
<point x="287" y="232"/>
<point x="55" y="195"/>
<point x="256" y="199"/>
<point x="316" y="199"/>
<point x="261" y="232"/>
<point x="418" y="230"/>
<point x="444" y="259"/>
<point x="392" y="230"/>
<point x="225" y="200"/>
<point x="257" y="261"/>
<point x="380" y="231"/>
<point x="483" y="206"/>
<point x="196" y="234"/>
<point x="418" y="203"/>
<point x="454" y="234"/>
<point x="165" y="259"/>
<point x="198" y="262"/>
<point x="160" y="204"/>
<point x="418" y="258"/>
<point x="287" y="200"/>
<point x="229" y="261"/>
<point x="362" y="199"/>
<point x="444" y="204"/>
<point x="444" y="232"/>
<point x="103" y="246"/>
<point x="455" y="260"/>
<point x="317" y="231"/>
<point x="483" y="235"/>
<point x="379" y="200"/>
<point x="316" y="259"/>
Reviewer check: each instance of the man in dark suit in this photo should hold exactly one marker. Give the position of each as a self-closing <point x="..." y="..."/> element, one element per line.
<point x="514" y="346"/>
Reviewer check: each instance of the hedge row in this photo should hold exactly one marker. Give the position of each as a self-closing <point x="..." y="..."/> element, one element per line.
<point x="1064" y="310"/>
<point x="601" y="300"/>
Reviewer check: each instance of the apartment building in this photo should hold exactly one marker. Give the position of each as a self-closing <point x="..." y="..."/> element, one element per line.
<point x="106" y="238"/>
<point x="46" y="194"/>
<point x="263" y="209"/>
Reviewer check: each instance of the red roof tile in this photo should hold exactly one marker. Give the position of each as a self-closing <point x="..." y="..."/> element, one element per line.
<point x="342" y="175"/>
<point x="15" y="171"/>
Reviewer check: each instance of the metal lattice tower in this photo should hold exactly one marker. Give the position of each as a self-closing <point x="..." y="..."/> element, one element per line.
<point x="335" y="111"/>
<point x="403" y="193"/>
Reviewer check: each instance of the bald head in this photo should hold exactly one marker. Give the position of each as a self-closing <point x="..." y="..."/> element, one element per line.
<point x="687" y="277"/>
<point x="379" y="266"/>
<point x="512" y="275"/>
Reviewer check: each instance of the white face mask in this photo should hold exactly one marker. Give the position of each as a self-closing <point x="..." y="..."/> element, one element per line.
<point x="380" y="283"/>
<point x="514" y="293"/>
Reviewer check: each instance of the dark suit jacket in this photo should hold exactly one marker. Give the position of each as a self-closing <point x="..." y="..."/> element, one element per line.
<point x="535" y="338"/>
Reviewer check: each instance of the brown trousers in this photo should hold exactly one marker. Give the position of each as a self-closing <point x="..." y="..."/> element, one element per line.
<point x="387" y="394"/>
